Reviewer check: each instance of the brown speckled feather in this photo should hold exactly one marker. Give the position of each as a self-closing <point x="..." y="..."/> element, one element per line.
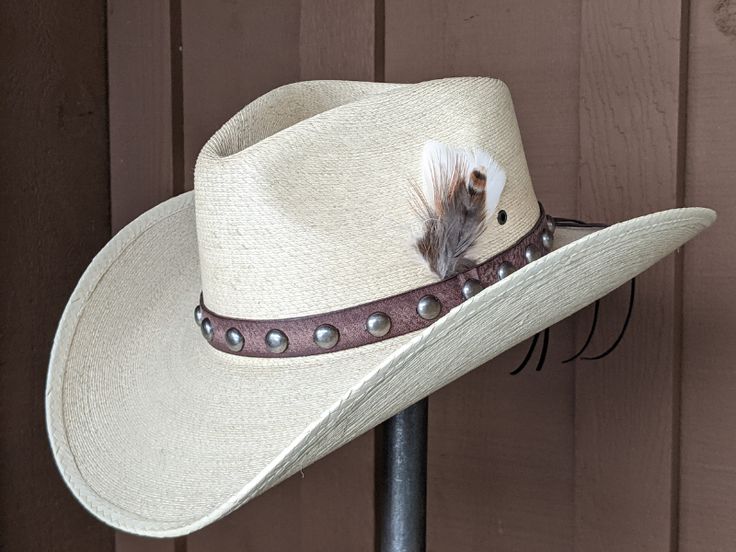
<point x="453" y="205"/>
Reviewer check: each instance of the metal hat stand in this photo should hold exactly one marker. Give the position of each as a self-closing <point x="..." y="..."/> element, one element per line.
<point x="403" y="483"/>
<point x="402" y="487"/>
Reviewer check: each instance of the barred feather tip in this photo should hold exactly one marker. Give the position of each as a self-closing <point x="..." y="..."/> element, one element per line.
<point x="459" y="189"/>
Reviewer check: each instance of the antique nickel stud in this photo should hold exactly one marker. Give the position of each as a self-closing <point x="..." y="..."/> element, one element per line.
<point x="326" y="336"/>
<point x="378" y="324"/>
<point x="208" y="330"/>
<point x="429" y="307"/>
<point x="532" y="253"/>
<point x="276" y="341"/>
<point x="547" y="240"/>
<point x="234" y="340"/>
<point x="505" y="269"/>
<point x="471" y="287"/>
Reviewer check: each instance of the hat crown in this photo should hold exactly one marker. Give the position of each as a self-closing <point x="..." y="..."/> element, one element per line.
<point x="304" y="198"/>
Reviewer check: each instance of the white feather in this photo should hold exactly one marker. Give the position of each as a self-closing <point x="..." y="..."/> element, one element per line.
<point x="495" y="178"/>
<point x="439" y="161"/>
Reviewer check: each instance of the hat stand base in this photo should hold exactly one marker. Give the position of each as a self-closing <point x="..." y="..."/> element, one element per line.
<point x="403" y="485"/>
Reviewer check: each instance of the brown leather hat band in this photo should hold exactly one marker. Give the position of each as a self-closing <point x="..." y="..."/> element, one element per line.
<point x="370" y="322"/>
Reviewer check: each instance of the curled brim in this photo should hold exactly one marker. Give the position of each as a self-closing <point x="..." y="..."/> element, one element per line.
<point x="159" y="434"/>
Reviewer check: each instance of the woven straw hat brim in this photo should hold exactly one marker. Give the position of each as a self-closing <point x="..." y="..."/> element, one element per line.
<point x="157" y="433"/>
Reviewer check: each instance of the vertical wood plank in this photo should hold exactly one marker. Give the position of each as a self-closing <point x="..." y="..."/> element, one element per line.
<point x="270" y="523"/>
<point x="233" y="52"/>
<point x="141" y="107"/>
<point x="626" y="413"/>
<point x="327" y="506"/>
<point x="337" y="499"/>
<point x="501" y="447"/>
<point x="125" y="542"/>
<point x="708" y="476"/>
<point x="230" y="58"/>
<point x="54" y="204"/>
<point x="337" y="39"/>
<point x="144" y="147"/>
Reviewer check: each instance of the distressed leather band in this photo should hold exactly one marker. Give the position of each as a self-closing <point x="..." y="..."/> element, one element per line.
<point x="351" y="322"/>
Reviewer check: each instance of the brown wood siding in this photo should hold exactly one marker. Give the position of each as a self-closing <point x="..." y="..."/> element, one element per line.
<point x="708" y="435"/>
<point x="625" y="107"/>
<point x="54" y="207"/>
<point x="232" y="52"/>
<point x="626" y="405"/>
<point x="501" y="447"/>
<point x="141" y="127"/>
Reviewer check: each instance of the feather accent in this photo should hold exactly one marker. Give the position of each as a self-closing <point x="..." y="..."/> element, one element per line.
<point x="460" y="188"/>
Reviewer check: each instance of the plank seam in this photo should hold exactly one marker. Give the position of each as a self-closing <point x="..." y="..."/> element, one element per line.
<point x="379" y="41"/>
<point x="679" y="277"/>
<point x="177" y="98"/>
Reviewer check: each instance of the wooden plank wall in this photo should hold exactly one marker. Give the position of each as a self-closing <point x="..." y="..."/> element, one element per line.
<point x="54" y="207"/>
<point x="143" y="99"/>
<point x="228" y="58"/>
<point x="625" y="107"/>
<point x="707" y="476"/>
<point x="627" y="405"/>
<point x="145" y="140"/>
<point x="501" y="447"/>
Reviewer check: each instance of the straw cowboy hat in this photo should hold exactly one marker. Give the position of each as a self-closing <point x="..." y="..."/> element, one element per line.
<point x="349" y="248"/>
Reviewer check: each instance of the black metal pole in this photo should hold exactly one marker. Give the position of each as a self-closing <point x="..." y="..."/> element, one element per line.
<point x="404" y="483"/>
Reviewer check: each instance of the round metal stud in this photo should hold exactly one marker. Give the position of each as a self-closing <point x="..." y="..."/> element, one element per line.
<point x="198" y="315"/>
<point x="378" y="324"/>
<point x="532" y="253"/>
<point x="326" y="336"/>
<point x="276" y="341"/>
<point x="429" y="307"/>
<point x="504" y="270"/>
<point x="551" y="225"/>
<point x="471" y="287"/>
<point x="547" y="240"/>
<point x="208" y="330"/>
<point x="234" y="340"/>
